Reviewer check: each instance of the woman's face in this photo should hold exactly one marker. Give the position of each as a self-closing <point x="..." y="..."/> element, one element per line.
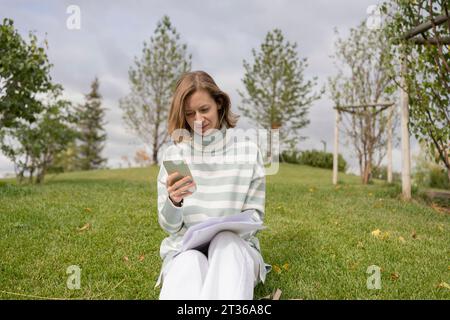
<point x="201" y="112"/>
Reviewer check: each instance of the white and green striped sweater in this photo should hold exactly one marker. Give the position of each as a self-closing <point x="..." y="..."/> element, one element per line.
<point x="230" y="178"/>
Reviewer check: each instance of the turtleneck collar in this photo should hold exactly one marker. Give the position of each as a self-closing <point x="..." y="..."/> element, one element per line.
<point x="210" y="141"/>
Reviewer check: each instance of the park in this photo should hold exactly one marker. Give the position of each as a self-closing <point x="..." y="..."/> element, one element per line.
<point x="81" y="147"/>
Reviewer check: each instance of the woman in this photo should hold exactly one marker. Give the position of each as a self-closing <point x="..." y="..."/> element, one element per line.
<point x="232" y="265"/>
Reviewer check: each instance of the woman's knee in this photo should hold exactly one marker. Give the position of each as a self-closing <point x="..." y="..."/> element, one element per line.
<point x="185" y="276"/>
<point x="190" y="257"/>
<point x="188" y="264"/>
<point x="225" y="238"/>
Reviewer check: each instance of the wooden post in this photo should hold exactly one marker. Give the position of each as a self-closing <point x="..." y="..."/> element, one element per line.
<point x="406" y="162"/>
<point x="389" y="144"/>
<point x="336" y="142"/>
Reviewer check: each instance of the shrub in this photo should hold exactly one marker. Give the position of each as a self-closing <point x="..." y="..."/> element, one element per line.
<point x="381" y="173"/>
<point x="321" y="159"/>
<point x="438" y="178"/>
<point x="291" y="156"/>
<point x="428" y="174"/>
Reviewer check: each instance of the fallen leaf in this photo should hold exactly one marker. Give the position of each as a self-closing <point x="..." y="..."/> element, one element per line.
<point x="394" y="276"/>
<point x="380" y="235"/>
<point x="444" y="285"/>
<point x="353" y="265"/>
<point x="276" y="268"/>
<point x="376" y="233"/>
<point x="85" y="227"/>
<point x="87" y="209"/>
<point x="401" y="239"/>
<point x="141" y="257"/>
<point x="286" y="266"/>
<point x="125" y="259"/>
<point x="385" y="235"/>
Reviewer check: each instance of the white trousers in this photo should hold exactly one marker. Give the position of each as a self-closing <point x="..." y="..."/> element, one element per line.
<point x="230" y="272"/>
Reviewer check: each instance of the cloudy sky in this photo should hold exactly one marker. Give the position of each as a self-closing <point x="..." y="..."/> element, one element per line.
<point x="219" y="35"/>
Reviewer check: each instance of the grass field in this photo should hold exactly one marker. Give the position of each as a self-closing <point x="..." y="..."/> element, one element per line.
<point x="319" y="238"/>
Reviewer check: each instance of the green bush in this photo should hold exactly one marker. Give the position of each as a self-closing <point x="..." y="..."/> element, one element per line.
<point x="291" y="156"/>
<point x="429" y="174"/>
<point x="381" y="173"/>
<point x="321" y="159"/>
<point x="438" y="178"/>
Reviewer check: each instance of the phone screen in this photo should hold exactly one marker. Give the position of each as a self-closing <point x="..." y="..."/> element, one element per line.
<point x="179" y="166"/>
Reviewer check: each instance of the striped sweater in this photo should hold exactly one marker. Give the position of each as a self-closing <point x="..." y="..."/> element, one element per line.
<point x="230" y="178"/>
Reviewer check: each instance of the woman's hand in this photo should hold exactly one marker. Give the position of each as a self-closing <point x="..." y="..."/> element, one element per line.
<point x="180" y="189"/>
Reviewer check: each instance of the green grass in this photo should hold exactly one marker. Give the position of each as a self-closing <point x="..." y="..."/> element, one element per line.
<point x="323" y="233"/>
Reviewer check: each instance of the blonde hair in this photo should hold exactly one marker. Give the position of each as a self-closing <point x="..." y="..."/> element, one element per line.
<point x="189" y="83"/>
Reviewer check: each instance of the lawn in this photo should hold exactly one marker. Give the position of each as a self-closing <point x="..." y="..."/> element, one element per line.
<point x="320" y="239"/>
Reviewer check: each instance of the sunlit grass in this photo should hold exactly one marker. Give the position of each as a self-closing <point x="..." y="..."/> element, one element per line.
<point x="318" y="238"/>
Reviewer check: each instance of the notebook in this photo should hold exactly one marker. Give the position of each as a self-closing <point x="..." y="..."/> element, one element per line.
<point x="199" y="235"/>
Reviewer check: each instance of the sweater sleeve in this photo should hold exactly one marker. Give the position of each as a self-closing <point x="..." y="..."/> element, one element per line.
<point x="256" y="195"/>
<point x="170" y="217"/>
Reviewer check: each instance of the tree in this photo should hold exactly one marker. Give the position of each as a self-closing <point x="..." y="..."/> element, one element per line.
<point x="126" y="159"/>
<point x="427" y="173"/>
<point x="32" y="129"/>
<point x="276" y="93"/>
<point x="66" y="160"/>
<point x="33" y="146"/>
<point x="24" y="73"/>
<point x="152" y="80"/>
<point x="364" y="78"/>
<point x="141" y="157"/>
<point x="427" y="72"/>
<point x="91" y="135"/>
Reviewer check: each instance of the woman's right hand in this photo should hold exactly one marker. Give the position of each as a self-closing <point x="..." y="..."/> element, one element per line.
<point x="180" y="189"/>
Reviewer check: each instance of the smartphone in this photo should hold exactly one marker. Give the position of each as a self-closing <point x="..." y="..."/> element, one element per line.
<point x="179" y="166"/>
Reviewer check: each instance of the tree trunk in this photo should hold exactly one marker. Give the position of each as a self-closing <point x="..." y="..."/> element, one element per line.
<point x="155" y="143"/>
<point x="155" y="156"/>
<point x="41" y="173"/>
<point x="336" y="149"/>
<point x="447" y="164"/>
<point x="389" y="145"/>
<point x="406" y="153"/>
<point x="40" y="176"/>
<point x="368" y="169"/>
<point x="31" y="175"/>
<point x="365" y="163"/>
<point x="448" y="174"/>
<point x="20" y="177"/>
